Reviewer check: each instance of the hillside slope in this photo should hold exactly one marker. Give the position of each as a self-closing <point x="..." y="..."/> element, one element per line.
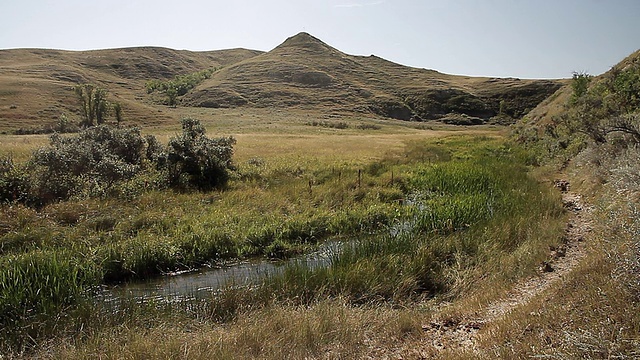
<point x="601" y="109"/>
<point x="588" y="135"/>
<point x="305" y="71"/>
<point x="36" y="84"/>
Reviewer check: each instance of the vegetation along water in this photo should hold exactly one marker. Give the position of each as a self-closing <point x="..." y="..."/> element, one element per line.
<point x="417" y="224"/>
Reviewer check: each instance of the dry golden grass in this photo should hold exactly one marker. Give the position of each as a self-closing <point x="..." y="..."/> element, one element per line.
<point x="37" y="85"/>
<point x="20" y="147"/>
<point x="331" y="329"/>
<point x="301" y="74"/>
<point x="593" y="313"/>
<point x="276" y="136"/>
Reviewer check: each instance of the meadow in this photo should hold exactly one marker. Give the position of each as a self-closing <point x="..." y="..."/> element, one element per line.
<point x="465" y="208"/>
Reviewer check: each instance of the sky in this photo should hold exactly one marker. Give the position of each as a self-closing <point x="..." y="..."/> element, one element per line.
<point x="501" y="38"/>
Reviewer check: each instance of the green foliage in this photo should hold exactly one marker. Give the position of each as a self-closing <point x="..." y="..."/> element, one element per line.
<point x="330" y="124"/>
<point x="626" y="86"/>
<point x="104" y="161"/>
<point x="62" y="126"/>
<point x="580" y="85"/>
<point x="178" y="86"/>
<point x="194" y="160"/>
<point x="94" y="106"/>
<point x="117" y="112"/>
<point x="14" y="182"/>
<point x="41" y="283"/>
<point x="599" y="108"/>
<point x="494" y="200"/>
<point x="97" y="158"/>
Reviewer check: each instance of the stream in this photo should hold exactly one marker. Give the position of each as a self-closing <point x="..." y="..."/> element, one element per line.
<point x="205" y="282"/>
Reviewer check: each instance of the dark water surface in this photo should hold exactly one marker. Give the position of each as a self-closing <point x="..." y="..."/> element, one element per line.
<point x="205" y="283"/>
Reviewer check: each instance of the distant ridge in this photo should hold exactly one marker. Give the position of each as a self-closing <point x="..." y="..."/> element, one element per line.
<point x="303" y="72"/>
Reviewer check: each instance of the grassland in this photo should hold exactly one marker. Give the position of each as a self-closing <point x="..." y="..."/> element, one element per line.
<point x="303" y="73"/>
<point x="438" y="223"/>
<point x="472" y="207"/>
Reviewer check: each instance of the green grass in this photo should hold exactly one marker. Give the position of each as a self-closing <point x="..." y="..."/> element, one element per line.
<point x="460" y="206"/>
<point x="475" y="212"/>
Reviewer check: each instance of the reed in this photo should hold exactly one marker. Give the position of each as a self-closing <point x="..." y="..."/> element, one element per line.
<point x="420" y="224"/>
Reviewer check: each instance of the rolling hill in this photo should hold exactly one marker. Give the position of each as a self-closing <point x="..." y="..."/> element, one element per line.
<point x="36" y="85"/>
<point x="303" y="72"/>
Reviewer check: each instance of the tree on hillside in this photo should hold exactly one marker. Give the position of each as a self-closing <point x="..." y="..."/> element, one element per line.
<point x="580" y="85"/>
<point x="172" y="96"/>
<point x="117" y="112"/>
<point x="93" y="104"/>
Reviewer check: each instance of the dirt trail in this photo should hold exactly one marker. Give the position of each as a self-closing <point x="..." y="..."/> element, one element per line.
<point x="463" y="335"/>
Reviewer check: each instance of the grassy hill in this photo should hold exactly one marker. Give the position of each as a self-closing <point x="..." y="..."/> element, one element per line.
<point x="302" y="72"/>
<point x="36" y="85"/>
<point x="590" y="110"/>
<point x="588" y="132"/>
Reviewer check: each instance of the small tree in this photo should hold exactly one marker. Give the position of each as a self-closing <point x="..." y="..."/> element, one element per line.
<point x="580" y="85"/>
<point x="194" y="160"/>
<point x="93" y="104"/>
<point x="117" y="112"/>
<point x="172" y="95"/>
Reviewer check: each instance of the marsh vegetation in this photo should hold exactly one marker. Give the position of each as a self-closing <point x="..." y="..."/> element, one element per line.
<point x="431" y="220"/>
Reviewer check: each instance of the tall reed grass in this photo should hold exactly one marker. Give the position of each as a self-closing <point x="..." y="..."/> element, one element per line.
<point x="465" y="204"/>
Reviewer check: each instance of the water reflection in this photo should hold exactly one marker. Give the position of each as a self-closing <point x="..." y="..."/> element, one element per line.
<point x="205" y="282"/>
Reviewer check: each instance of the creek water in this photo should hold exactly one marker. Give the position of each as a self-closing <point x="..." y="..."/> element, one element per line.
<point x="206" y="282"/>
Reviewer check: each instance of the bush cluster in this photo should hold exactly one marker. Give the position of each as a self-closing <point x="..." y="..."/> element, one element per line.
<point x="602" y="110"/>
<point x="343" y="125"/>
<point x="104" y="160"/>
<point x="194" y="160"/>
<point x="179" y="86"/>
<point x="14" y="183"/>
<point x="607" y="105"/>
<point x="98" y="157"/>
<point x="62" y="126"/>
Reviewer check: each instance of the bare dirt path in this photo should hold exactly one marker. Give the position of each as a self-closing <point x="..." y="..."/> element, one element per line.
<point x="463" y="335"/>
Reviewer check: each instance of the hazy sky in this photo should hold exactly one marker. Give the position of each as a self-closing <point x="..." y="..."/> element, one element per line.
<point x="519" y="38"/>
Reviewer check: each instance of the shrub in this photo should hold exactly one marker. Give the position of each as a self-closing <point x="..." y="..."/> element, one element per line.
<point x="579" y="85"/>
<point x="196" y="161"/>
<point x="365" y="126"/>
<point x="179" y="86"/>
<point x="62" y="126"/>
<point x="98" y="157"/>
<point x="104" y="161"/>
<point x="14" y="182"/>
<point x="329" y="124"/>
<point x="602" y="106"/>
